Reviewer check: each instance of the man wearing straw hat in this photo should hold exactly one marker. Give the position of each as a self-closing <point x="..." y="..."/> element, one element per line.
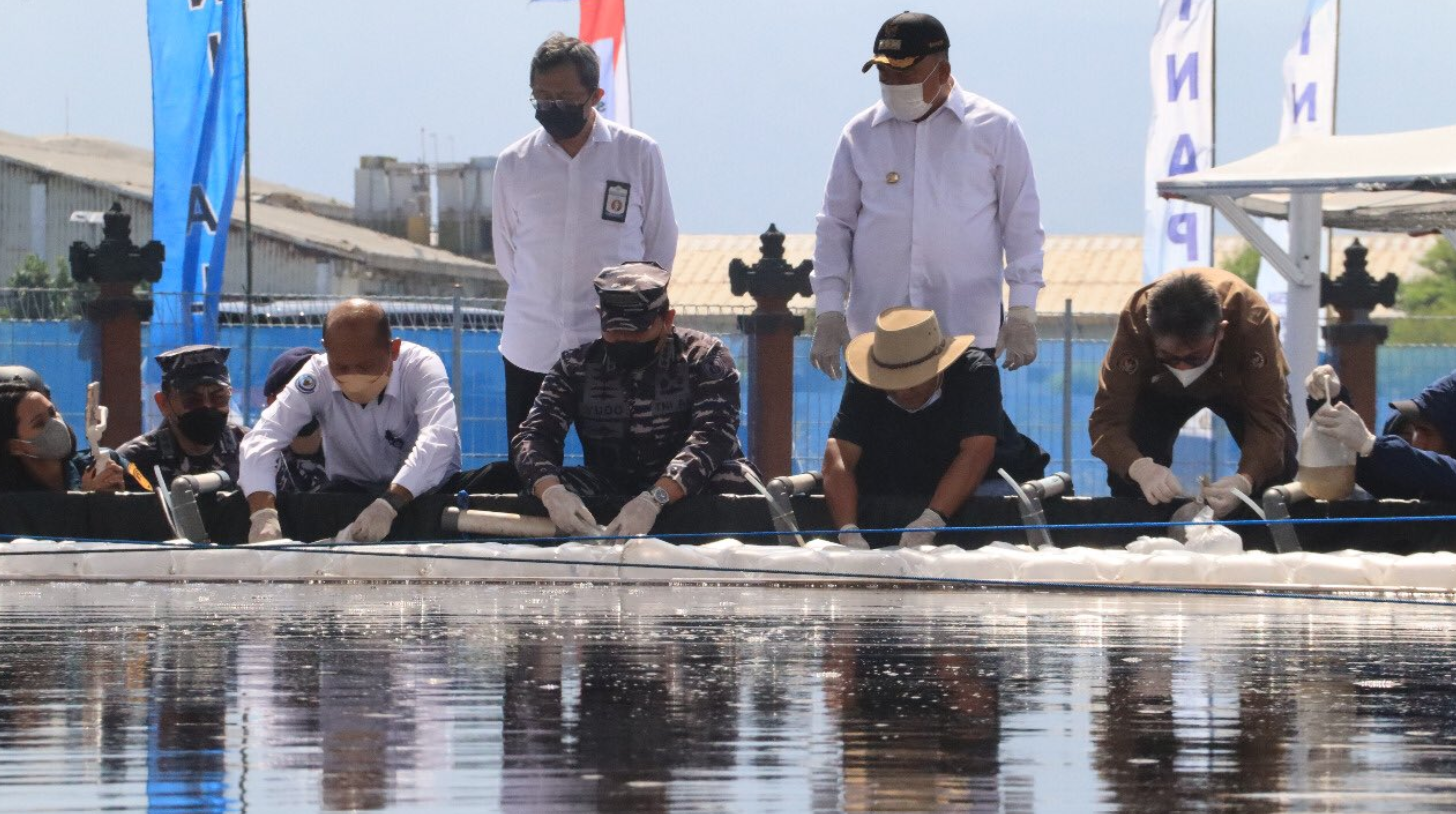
<point x="921" y="416"/>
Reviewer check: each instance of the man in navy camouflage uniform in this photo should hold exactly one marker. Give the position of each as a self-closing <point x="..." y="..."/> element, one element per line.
<point x="197" y="434"/>
<point x="655" y="406"/>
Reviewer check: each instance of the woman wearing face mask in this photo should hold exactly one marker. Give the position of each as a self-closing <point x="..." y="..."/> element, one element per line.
<point x="39" y="451"/>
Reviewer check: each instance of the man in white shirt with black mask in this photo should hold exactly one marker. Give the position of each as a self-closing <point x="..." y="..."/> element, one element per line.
<point x="931" y="202"/>
<point x="577" y="195"/>
<point x="387" y="415"/>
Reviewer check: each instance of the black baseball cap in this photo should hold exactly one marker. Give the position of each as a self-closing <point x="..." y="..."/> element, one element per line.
<point x="1435" y="405"/>
<point x="23" y="374"/>
<point x="631" y="296"/>
<point x="186" y="367"/>
<point x="284" y="368"/>
<point x="905" y="39"/>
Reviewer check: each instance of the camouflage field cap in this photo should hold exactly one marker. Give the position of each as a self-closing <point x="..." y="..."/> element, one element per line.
<point x="632" y="295"/>
<point x="186" y="367"/>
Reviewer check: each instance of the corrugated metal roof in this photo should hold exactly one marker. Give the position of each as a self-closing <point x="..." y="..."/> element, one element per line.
<point x="1097" y="272"/>
<point x="128" y="170"/>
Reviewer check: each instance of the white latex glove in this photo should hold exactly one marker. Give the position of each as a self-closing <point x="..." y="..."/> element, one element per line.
<point x="372" y="524"/>
<point x="1220" y="497"/>
<point x="849" y="537"/>
<point x="636" y="518"/>
<point x="1158" y="482"/>
<point x="831" y="334"/>
<point x="1017" y="338"/>
<point x="929" y="520"/>
<point x="1314" y="383"/>
<point x="1343" y="424"/>
<point x="264" y="526"/>
<point x="570" y="515"/>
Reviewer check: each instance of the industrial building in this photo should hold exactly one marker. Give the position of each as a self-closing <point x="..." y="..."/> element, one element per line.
<point x="303" y="244"/>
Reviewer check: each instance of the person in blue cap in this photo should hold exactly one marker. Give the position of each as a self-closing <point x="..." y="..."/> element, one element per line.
<point x="301" y="469"/>
<point x="1422" y="467"/>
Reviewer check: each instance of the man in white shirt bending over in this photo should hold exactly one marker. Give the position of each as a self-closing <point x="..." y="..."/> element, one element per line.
<point x="577" y="195"/>
<point x="930" y="203"/>
<point x="387" y="415"/>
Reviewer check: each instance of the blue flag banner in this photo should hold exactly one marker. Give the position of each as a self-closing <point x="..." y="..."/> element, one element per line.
<point x="198" y="93"/>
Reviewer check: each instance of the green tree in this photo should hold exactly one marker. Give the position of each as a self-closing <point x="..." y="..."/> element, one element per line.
<point x="1431" y="296"/>
<point x="40" y="295"/>
<point x="1245" y="264"/>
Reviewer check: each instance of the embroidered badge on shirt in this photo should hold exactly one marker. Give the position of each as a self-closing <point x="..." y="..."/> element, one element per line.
<point x="306" y="383"/>
<point x="614" y="203"/>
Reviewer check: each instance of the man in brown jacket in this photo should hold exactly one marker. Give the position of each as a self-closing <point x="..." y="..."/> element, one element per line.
<point x="1195" y="338"/>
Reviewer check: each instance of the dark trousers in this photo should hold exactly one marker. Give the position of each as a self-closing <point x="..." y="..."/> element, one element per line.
<point x="1156" y="420"/>
<point x="522" y="385"/>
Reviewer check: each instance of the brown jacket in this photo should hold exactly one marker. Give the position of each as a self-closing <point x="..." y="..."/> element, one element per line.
<point x="1249" y="371"/>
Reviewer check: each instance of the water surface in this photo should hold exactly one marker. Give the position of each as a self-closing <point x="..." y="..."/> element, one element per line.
<point x="638" y="699"/>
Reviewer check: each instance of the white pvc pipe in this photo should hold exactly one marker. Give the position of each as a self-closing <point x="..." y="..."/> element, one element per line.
<point x="498" y="524"/>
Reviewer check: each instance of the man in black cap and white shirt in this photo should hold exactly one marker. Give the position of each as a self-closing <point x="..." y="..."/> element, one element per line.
<point x="577" y="195"/>
<point x="656" y="408"/>
<point x="931" y="202"/>
<point x="196" y="435"/>
<point x="921" y="416"/>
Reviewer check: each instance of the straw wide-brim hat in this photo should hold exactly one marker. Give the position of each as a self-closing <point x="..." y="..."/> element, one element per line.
<point x="905" y="350"/>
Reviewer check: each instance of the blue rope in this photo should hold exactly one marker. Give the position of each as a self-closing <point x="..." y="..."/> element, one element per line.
<point x="948" y="582"/>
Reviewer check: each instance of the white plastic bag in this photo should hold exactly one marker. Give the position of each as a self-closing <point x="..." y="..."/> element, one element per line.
<point x="1326" y="467"/>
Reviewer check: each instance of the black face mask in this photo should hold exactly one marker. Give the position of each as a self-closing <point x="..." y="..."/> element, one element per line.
<point x="202" y="426"/>
<point x="632" y="355"/>
<point x="562" y="124"/>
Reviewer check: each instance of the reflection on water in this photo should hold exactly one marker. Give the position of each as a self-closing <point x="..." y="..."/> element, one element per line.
<point x="522" y="698"/>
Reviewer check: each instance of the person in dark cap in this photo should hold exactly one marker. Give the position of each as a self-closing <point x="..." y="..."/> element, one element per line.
<point x="301" y="469"/>
<point x="196" y="434"/>
<point x="1422" y="467"/>
<point x="655" y="406"/>
<point x="931" y="202"/>
<point x="26" y="376"/>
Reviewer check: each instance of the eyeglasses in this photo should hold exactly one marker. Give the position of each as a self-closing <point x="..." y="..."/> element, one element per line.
<point x="556" y="104"/>
<point x="196" y="399"/>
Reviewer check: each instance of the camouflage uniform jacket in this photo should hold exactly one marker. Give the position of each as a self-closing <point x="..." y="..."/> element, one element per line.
<point x="677" y="417"/>
<point x="300" y="473"/>
<point x="160" y="448"/>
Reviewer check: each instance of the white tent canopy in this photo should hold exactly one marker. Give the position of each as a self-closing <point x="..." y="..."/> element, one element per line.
<point x="1393" y="182"/>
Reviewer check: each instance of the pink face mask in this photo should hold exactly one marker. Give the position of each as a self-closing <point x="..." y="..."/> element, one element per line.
<point x="361" y="388"/>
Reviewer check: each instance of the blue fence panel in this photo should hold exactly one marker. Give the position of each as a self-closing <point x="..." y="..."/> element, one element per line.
<point x="61" y="350"/>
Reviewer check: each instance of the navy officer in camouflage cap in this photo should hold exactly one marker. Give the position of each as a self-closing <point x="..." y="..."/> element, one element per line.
<point x="196" y="435"/>
<point x="656" y="407"/>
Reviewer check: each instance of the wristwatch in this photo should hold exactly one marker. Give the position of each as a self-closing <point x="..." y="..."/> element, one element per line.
<point x="659" y="496"/>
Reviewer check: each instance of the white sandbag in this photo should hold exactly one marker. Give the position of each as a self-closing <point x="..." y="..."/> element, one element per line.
<point x="1425" y="570"/>
<point x="1147" y="545"/>
<point x="1167" y="568"/>
<point x="1313" y="570"/>
<point x="666" y="560"/>
<point x="982" y="564"/>
<point x="1248" y="568"/>
<point x="1060" y="565"/>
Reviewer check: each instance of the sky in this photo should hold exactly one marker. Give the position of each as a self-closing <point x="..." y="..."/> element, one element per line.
<point x="746" y="97"/>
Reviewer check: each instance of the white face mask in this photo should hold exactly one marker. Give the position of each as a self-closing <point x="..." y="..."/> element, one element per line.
<point x="907" y="102"/>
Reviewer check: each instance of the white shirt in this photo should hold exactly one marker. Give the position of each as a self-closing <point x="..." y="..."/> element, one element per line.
<point x="553" y="236"/>
<point x="925" y="214"/>
<point x="406" y="436"/>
